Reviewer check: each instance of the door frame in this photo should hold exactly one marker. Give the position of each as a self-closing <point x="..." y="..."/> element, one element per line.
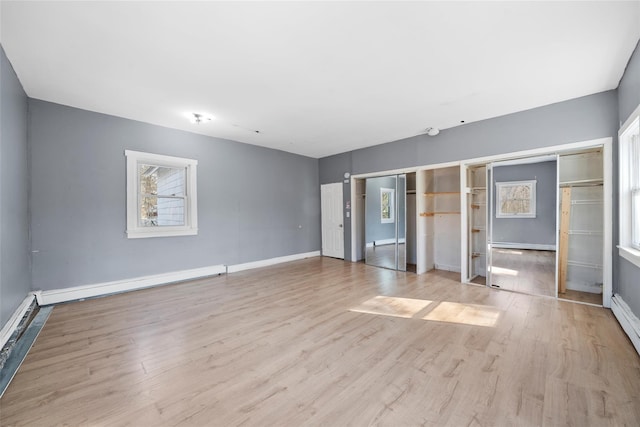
<point x="340" y="186"/>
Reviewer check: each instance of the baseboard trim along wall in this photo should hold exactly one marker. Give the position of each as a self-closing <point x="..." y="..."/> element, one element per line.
<point x="531" y="246"/>
<point x="629" y="322"/>
<point x="271" y="261"/>
<point x="14" y="320"/>
<point x="56" y="296"/>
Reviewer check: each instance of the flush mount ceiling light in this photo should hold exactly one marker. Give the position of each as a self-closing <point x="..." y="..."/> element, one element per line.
<point x="198" y="118"/>
<point x="432" y="131"/>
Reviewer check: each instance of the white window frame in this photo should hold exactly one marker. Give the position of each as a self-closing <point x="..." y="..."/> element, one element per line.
<point x="134" y="230"/>
<point x="627" y="248"/>
<point x="532" y="202"/>
<point x="392" y="205"/>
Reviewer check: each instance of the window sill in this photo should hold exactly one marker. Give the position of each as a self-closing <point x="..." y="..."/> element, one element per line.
<point x="141" y="234"/>
<point x="630" y="254"/>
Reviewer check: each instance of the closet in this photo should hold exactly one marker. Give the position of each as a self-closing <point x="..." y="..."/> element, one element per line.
<point x="438" y="194"/>
<point x="476" y="201"/>
<point x="581" y="254"/>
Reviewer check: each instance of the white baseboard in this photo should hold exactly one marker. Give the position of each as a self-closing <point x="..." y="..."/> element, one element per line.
<point x="629" y="322"/>
<point x="271" y="261"/>
<point x="56" y="296"/>
<point x="384" y="242"/>
<point x="446" y="267"/>
<point x="14" y="320"/>
<point x="531" y="246"/>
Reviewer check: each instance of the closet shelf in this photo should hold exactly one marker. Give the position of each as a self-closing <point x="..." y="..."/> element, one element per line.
<point x="477" y="205"/>
<point x="587" y="202"/>
<point x="582" y="182"/>
<point x="477" y="229"/>
<point x="477" y="254"/>
<point x="584" y="264"/>
<point x="586" y="232"/>
<point x="438" y="213"/>
<point x="441" y="193"/>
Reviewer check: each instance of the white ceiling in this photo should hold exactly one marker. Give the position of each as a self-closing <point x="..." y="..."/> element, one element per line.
<point x="317" y="78"/>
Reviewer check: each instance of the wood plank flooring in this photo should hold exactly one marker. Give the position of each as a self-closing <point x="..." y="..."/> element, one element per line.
<point x="309" y="343"/>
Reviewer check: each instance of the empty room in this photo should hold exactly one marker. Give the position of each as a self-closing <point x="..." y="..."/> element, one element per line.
<point x="320" y="213"/>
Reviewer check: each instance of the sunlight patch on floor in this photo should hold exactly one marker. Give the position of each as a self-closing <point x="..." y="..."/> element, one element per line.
<point x="392" y="306"/>
<point x="468" y="314"/>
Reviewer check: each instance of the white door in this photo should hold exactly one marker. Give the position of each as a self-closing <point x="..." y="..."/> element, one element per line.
<point x="332" y="220"/>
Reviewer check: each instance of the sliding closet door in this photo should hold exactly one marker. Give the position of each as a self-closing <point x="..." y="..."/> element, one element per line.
<point x="402" y="222"/>
<point x="385" y="222"/>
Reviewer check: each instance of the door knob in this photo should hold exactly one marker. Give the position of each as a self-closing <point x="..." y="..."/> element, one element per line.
<point x="340" y="225"/>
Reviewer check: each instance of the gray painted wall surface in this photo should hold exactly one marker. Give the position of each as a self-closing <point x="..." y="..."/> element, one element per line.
<point x="251" y="200"/>
<point x="15" y="279"/>
<point x="629" y="88"/>
<point x="541" y="229"/>
<point x="580" y="119"/>
<point x="628" y="275"/>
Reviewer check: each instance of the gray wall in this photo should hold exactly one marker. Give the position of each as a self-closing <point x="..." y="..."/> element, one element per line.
<point x="541" y="229"/>
<point x="580" y="119"/>
<point x="628" y="283"/>
<point x="253" y="203"/>
<point x="15" y="279"/>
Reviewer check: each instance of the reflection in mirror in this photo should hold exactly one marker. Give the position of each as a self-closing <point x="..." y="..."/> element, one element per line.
<point x="381" y="222"/>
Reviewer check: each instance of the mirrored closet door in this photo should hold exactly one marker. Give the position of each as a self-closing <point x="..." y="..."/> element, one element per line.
<point x="386" y="222"/>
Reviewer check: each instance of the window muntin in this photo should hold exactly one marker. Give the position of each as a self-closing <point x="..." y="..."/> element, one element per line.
<point x="161" y="195"/>
<point x="516" y="199"/>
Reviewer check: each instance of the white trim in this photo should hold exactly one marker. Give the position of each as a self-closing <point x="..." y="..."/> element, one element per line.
<point x="56" y="296"/>
<point x="134" y="230"/>
<point x="552" y="149"/>
<point x="632" y="117"/>
<point x="447" y="267"/>
<point x="384" y="242"/>
<point x="271" y="261"/>
<point x="630" y="254"/>
<point x="607" y="261"/>
<point x="629" y="322"/>
<point x="14" y="320"/>
<point x="531" y="246"/>
<point x="527" y="160"/>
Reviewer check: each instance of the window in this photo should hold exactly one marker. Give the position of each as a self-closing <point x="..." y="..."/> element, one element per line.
<point x="161" y="195"/>
<point x="516" y="199"/>
<point x="387" y="199"/>
<point x="629" y="164"/>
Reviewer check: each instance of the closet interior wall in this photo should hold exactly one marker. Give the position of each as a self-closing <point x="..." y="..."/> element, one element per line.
<point x="581" y="255"/>
<point x="439" y="219"/>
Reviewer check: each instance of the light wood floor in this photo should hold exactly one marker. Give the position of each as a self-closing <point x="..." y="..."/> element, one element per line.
<point x="327" y="342"/>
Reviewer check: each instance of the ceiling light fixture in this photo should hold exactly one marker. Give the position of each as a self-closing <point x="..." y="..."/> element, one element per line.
<point x="432" y="131"/>
<point x="198" y="118"/>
